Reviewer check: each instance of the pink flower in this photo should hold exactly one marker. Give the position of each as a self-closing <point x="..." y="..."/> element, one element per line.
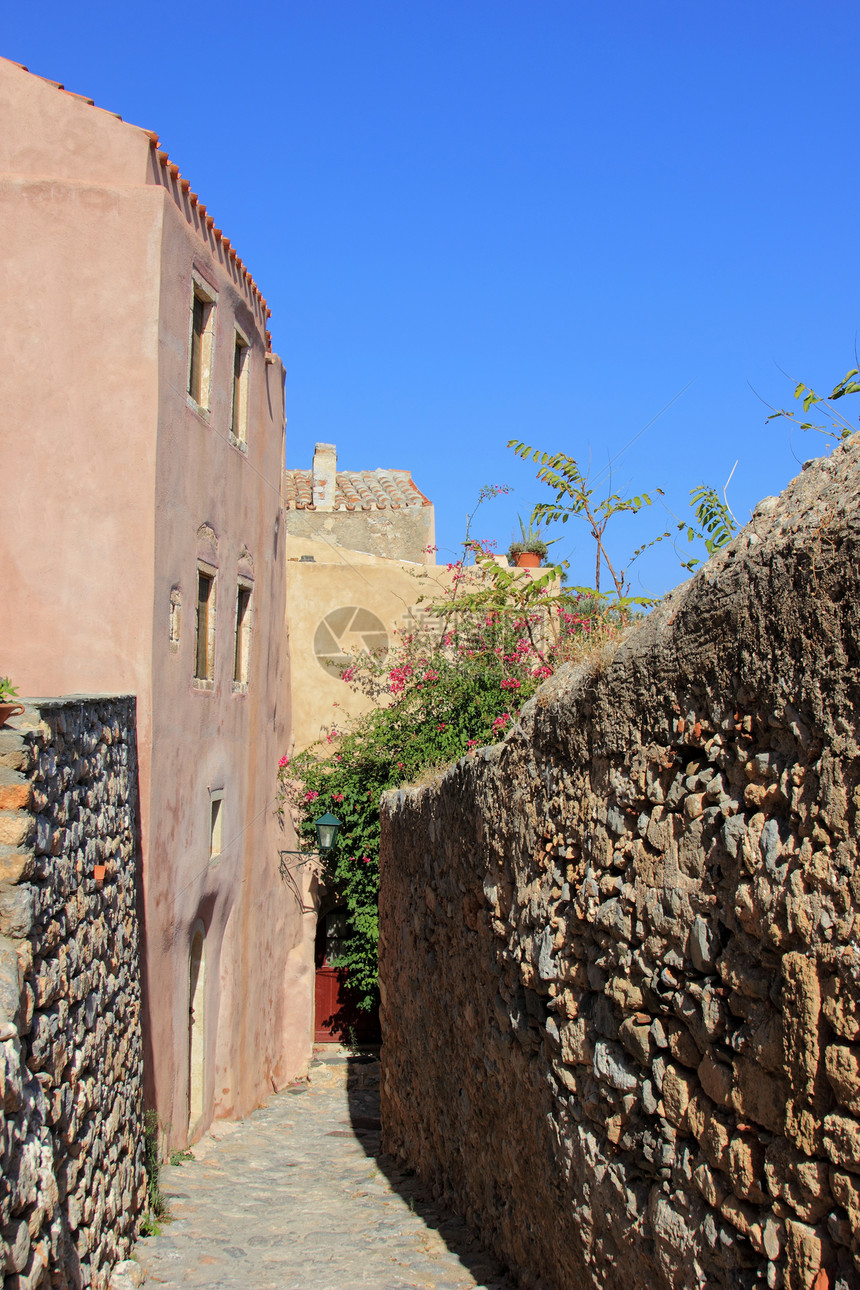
<point x="367" y="859"/>
<point x="400" y="765"/>
<point x="284" y="762"/>
<point x="511" y="683"/>
<point x="542" y="671"/>
<point x="471" y="743"/>
<point x="311" y="795"/>
<point x="337" y="797"/>
<point x="397" y="678"/>
<point x="501" y="721"/>
<point x="430" y="675"/>
<point x="347" y="674"/>
<point x="441" y="726"/>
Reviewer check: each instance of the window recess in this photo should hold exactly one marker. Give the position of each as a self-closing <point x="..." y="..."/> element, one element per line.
<point x="201" y="345"/>
<point x="242" y="641"/>
<point x="204" y="658"/>
<point x="239" y="404"/>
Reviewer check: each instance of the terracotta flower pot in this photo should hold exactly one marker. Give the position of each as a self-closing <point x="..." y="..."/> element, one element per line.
<point x="8" y="710"/>
<point x="99" y="871"/>
<point x="528" y="560"/>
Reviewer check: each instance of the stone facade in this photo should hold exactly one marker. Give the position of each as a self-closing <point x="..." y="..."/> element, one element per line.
<point x="621" y="983"/>
<point x="360" y="560"/>
<point x="378" y="512"/>
<point x="71" y="1065"/>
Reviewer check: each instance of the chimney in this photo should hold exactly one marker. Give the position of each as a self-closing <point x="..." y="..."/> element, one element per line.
<point x="325" y="476"/>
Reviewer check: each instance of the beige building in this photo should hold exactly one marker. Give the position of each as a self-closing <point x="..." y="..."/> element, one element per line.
<point x="380" y="512"/>
<point x="143" y="552"/>
<point x="360" y="566"/>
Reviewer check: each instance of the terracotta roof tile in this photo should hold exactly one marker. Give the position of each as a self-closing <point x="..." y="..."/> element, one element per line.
<point x="357" y="490"/>
<point x="209" y="220"/>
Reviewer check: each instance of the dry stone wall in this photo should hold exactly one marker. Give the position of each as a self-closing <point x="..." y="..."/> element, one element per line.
<point x="72" y="1186"/>
<point x="619" y="951"/>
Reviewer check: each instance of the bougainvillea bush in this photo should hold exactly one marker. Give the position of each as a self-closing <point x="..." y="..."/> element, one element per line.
<point x="441" y="692"/>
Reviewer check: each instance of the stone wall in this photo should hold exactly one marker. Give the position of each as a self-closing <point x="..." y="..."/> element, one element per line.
<point x="72" y="1186"/>
<point x="402" y="533"/>
<point x="619" y="960"/>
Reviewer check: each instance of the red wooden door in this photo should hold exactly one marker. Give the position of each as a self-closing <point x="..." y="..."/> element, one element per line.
<point x="337" y="1019"/>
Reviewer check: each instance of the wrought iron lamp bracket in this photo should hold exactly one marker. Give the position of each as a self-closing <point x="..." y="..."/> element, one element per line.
<point x="288" y="873"/>
<point x="327" y="827"/>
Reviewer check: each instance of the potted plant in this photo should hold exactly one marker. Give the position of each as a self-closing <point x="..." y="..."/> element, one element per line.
<point x="531" y="551"/>
<point x="7" y="694"/>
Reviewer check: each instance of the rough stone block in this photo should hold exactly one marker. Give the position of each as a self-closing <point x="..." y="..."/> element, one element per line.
<point x="746" y="1168"/>
<point x="17" y="1238"/>
<point x="679" y="1086"/>
<point x="703" y="946"/>
<point x="15" y="865"/>
<point x="842" y="1063"/>
<point x="803" y="1255"/>
<point x="759" y="1097"/>
<point x="576" y="1047"/>
<point x="841" y="1140"/>
<point x="683" y="1046"/>
<point x="16" y="828"/>
<point x="16" y="911"/>
<point x="15" y="797"/>
<point x="840" y="1000"/>
<point x="717" y="1079"/>
<point x="612" y="1066"/>
<point x="636" y="1038"/>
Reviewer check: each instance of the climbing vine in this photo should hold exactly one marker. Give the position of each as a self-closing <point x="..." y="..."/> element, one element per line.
<point x="444" y="690"/>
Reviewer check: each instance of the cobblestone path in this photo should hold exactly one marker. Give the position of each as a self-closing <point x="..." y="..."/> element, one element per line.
<point x="297" y="1197"/>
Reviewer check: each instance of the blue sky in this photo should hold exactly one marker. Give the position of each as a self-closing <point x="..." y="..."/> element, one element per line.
<point x="539" y="220"/>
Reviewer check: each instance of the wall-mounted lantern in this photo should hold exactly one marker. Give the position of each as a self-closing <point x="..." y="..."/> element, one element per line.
<point x="328" y="827"/>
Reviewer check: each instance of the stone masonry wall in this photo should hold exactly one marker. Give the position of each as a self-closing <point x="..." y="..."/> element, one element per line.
<point x="619" y="951"/>
<point x="72" y="1185"/>
<point x="401" y="533"/>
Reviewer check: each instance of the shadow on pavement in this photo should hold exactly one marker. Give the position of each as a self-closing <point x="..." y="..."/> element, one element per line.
<point x="363" y="1098"/>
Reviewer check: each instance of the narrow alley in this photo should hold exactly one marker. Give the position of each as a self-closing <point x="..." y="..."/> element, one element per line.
<point x="296" y="1197"/>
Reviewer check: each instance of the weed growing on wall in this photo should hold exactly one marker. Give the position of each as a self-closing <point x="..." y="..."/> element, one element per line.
<point x="156" y="1206"/>
<point x="835" y="426"/>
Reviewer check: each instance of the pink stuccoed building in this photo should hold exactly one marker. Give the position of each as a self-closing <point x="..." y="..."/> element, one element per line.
<point x="143" y="553"/>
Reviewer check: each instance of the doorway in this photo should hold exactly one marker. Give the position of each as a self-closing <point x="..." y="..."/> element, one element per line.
<point x="196" y="1035"/>
<point x="337" y="1019"/>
